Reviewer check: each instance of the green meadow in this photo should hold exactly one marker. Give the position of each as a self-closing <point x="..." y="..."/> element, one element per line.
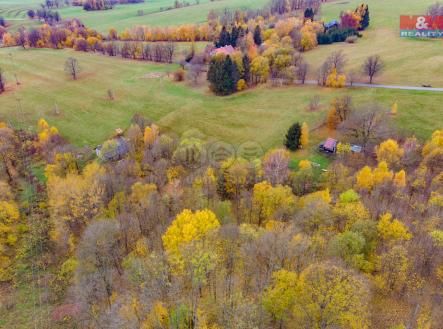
<point x="262" y="114"/>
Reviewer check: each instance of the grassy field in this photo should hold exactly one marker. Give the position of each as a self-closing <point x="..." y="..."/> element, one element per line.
<point x="14" y="11"/>
<point x="407" y="61"/>
<point x="87" y="117"/>
<point x="125" y="16"/>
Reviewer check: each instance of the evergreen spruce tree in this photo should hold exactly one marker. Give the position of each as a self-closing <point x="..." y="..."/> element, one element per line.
<point x="234" y="37"/>
<point x="309" y="13"/>
<point x="365" y="19"/>
<point x="246" y="69"/>
<point x="257" y="36"/>
<point x="230" y="76"/>
<point x="224" y="38"/>
<point x="293" y="137"/>
<point x="223" y="75"/>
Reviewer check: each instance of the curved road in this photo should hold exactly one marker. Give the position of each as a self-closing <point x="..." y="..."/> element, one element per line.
<point x="367" y="85"/>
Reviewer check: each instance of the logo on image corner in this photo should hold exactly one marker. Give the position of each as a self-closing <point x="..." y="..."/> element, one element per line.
<point x="421" y="23"/>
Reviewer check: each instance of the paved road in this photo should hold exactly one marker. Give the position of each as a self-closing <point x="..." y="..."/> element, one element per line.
<point x="367" y="85"/>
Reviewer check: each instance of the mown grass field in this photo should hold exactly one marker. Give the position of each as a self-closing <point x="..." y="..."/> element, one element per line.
<point x="15" y="12"/>
<point x="126" y="16"/>
<point x="262" y="114"/>
<point x="407" y="61"/>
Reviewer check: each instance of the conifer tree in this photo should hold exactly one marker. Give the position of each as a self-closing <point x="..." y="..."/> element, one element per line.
<point x="257" y="36"/>
<point x="293" y="137"/>
<point x="246" y="69"/>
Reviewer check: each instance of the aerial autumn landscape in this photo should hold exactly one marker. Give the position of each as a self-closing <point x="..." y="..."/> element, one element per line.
<point x="211" y="164"/>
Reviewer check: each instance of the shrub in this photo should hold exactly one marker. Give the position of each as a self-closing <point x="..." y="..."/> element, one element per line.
<point x="179" y="75"/>
<point x="241" y="85"/>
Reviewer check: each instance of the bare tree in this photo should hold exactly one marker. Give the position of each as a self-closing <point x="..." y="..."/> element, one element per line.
<point x="302" y="71"/>
<point x="352" y="77"/>
<point x="72" y="67"/>
<point x="367" y="126"/>
<point x="435" y="10"/>
<point x="372" y="66"/>
<point x="2" y="81"/>
<point x="337" y="60"/>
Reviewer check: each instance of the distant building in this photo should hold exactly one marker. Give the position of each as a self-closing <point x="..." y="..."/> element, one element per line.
<point x="328" y="146"/>
<point x="113" y="149"/>
<point x="331" y="24"/>
<point x="226" y="50"/>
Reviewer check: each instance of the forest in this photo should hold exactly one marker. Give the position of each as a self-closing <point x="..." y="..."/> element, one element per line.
<point x="159" y="234"/>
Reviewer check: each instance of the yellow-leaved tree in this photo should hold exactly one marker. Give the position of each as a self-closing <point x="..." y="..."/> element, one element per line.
<point x="327" y="293"/>
<point x="389" y="151"/>
<point x="392" y="230"/>
<point x="186" y="230"/>
<point x="271" y="203"/>
<point x="394" y="108"/>
<point x="280" y="296"/>
<point x="73" y="201"/>
<point x="304" y="138"/>
<point x="9" y="230"/>
<point x="365" y="178"/>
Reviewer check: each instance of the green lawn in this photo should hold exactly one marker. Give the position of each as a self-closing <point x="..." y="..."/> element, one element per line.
<point x="262" y="114"/>
<point x="407" y="61"/>
<point x="125" y="16"/>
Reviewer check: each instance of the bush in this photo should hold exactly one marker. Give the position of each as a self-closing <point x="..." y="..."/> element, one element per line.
<point x="336" y="35"/>
<point x="241" y="85"/>
<point x="179" y="75"/>
<point x="351" y="39"/>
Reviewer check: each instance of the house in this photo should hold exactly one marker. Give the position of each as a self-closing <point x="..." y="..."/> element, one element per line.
<point x="226" y="50"/>
<point x="113" y="149"/>
<point x="331" y="24"/>
<point x="356" y="148"/>
<point x="328" y="146"/>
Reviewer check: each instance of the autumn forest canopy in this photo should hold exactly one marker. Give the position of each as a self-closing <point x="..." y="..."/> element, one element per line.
<point x="264" y="166"/>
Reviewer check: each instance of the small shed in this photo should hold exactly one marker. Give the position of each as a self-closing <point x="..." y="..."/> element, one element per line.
<point x="113" y="149"/>
<point x="328" y="146"/>
<point x="331" y="24"/>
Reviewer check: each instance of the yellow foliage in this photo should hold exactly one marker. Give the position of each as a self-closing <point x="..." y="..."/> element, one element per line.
<point x="150" y="135"/>
<point x="241" y="85"/>
<point x="319" y="195"/>
<point x="174" y="172"/>
<point x="335" y="80"/>
<point x="266" y="200"/>
<point x="187" y="227"/>
<point x="45" y="131"/>
<point x="365" y="178"/>
<point x="304" y="164"/>
<point x="343" y="148"/>
<point x="304" y="138"/>
<point x="8" y="40"/>
<point x="158" y="318"/>
<point x="42" y="125"/>
<point x="400" y="179"/>
<point x="436" y="142"/>
<point x="392" y="230"/>
<point x="389" y="151"/>
<point x="9" y="233"/>
<point x="382" y="174"/>
<point x="394" y="108"/>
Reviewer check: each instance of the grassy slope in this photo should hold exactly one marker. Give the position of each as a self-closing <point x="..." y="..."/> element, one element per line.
<point x="14" y="11"/>
<point x="125" y="16"/>
<point x="408" y="61"/>
<point x="262" y="114"/>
